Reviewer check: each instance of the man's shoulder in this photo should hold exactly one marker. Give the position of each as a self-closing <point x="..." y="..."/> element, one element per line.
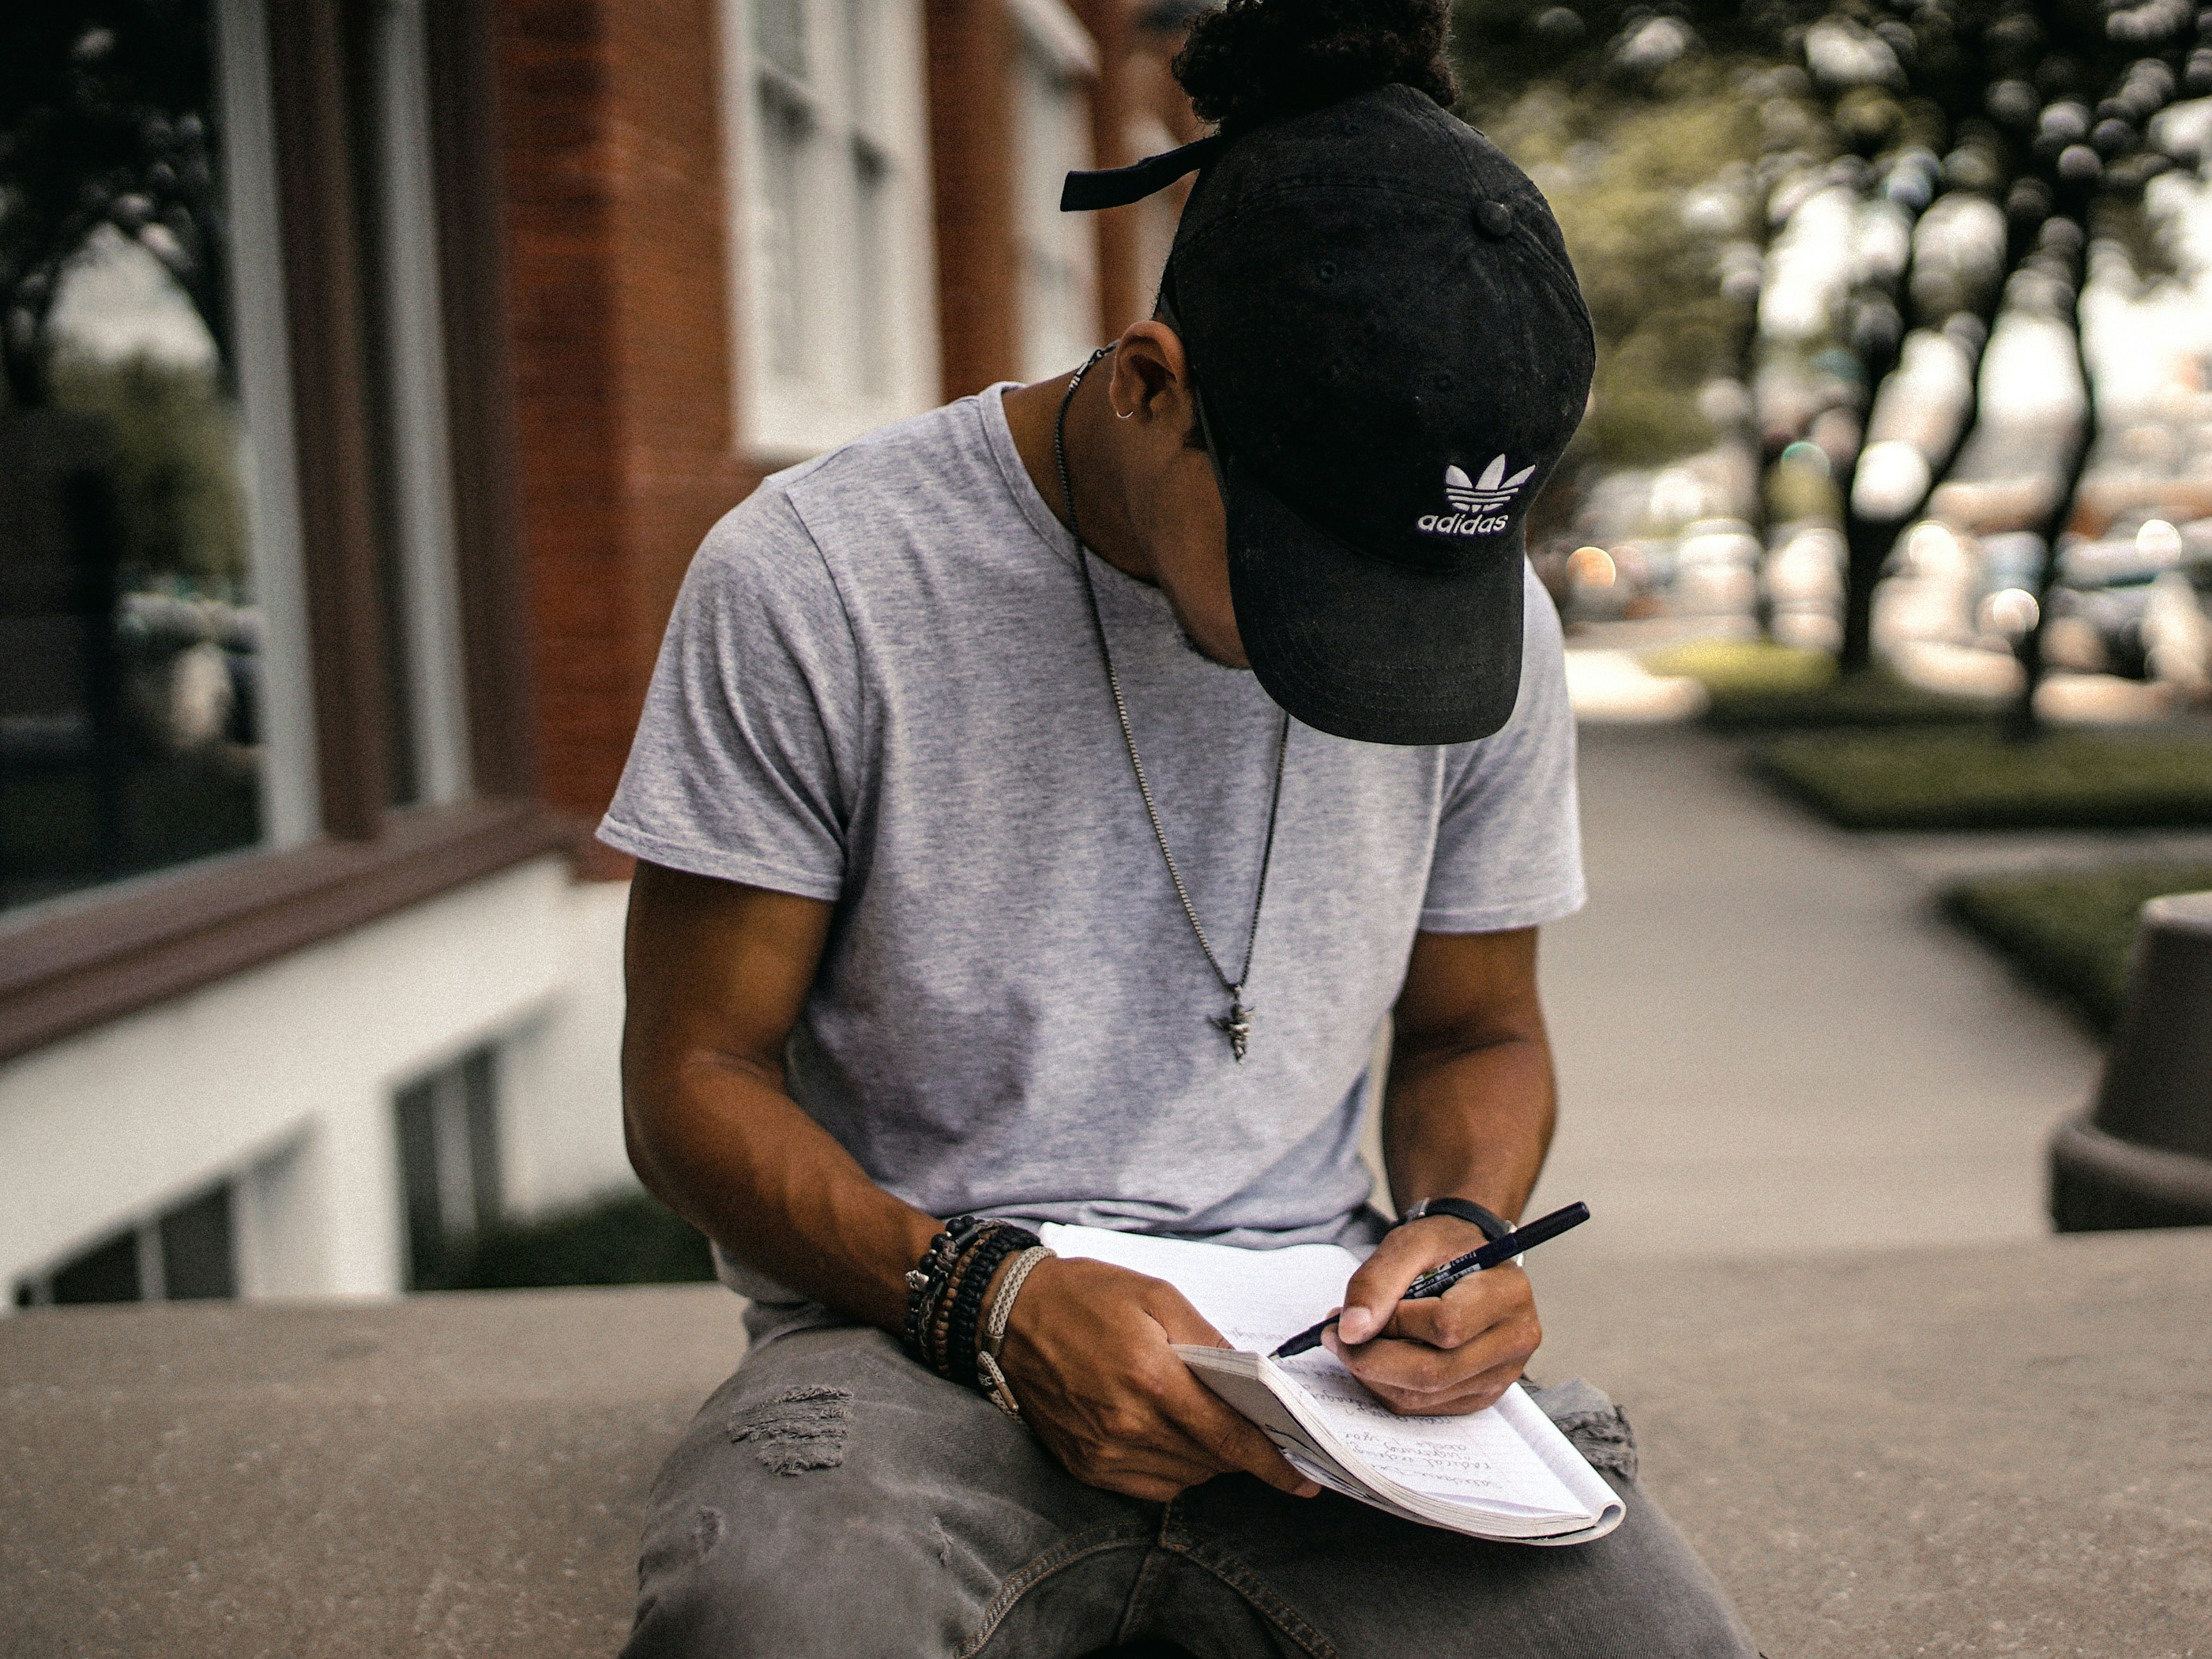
<point x="869" y="503"/>
<point x="935" y="465"/>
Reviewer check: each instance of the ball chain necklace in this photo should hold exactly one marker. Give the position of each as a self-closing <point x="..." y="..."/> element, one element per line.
<point x="1236" y="1023"/>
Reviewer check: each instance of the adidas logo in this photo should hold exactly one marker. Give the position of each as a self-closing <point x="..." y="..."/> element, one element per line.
<point x="1492" y="489"/>
<point x="1476" y="500"/>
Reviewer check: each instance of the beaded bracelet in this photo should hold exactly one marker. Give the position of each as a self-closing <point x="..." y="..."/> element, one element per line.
<point x="965" y="1288"/>
<point x="963" y="1336"/>
<point x="925" y="1282"/>
<point x="946" y="1291"/>
<point x="937" y="1338"/>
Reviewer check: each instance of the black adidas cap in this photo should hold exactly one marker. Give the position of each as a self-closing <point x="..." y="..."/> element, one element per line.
<point x="1390" y="352"/>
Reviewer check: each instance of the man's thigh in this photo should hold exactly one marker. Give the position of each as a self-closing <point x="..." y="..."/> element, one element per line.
<point x="1367" y="1584"/>
<point x="833" y="1500"/>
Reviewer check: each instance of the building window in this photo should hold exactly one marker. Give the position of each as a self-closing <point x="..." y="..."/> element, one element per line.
<point x="449" y="1165"/>
<point x="134" y="641"/>
<point x="830" y="214"/>
<point x="156" y="692"/>
<point x="1058" y="288"/>
<point x="259" y="573"/>
<point x="184" y="1254"/>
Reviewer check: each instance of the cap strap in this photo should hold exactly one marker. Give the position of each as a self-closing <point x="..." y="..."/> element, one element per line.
<point x="1113" y="188"/>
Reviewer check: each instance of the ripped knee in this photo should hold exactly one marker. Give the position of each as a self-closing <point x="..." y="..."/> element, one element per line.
<point x="797" y="1430"/>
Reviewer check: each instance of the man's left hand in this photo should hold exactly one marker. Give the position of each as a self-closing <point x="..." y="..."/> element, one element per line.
<point x="1441" y="1356"/>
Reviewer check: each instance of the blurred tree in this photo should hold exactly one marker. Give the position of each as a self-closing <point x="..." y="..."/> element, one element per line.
<point x="103" y="121"/>
<point x="179" y="511"/>
<point x="1646" y="193"/>
<point x="1965" y="148"/>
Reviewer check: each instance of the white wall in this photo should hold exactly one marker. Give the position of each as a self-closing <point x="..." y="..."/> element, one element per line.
<point x="284" y="1075"/>
<point x="560" y="1084"/>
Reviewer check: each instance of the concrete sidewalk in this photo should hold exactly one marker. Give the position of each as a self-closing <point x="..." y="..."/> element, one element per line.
<point x="1767" y="1039"/>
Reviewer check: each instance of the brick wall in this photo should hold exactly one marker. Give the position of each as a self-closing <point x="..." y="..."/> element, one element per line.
<point x="970" y="45"/>
<point x="1109" y="22"/>
<point x="619" y="293"/>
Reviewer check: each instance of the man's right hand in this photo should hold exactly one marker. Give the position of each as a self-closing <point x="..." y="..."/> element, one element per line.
<point x="1089" y="1354"/>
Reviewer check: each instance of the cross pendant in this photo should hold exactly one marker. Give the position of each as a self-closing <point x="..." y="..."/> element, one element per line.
<point x="1235" y="1025"/>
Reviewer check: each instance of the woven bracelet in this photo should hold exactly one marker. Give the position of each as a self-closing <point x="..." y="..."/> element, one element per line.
<point x="992" y="1376"/>
<point x="1002" y="1304"/>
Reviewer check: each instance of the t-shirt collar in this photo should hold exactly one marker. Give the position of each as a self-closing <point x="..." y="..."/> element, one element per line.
<point x="992" y="406"/>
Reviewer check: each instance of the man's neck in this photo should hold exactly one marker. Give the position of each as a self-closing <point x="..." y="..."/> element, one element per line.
<point x="1031" y="411"/>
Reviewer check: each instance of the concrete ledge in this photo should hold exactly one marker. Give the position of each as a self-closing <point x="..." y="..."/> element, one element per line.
<point x="452" y="1475"/>
<point x="2002" y="1449"/>
<point x="1986" y="1449"/>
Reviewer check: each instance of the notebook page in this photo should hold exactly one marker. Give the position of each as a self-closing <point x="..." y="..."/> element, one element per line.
<point x="1479" y="1457"/>
<point x="1558" y="1452"/>
<point x="1257" y="1297"/>
<point x="1253" y="1297"/>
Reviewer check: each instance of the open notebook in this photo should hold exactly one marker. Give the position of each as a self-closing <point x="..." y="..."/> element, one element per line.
<point x="1505" y="1473"/>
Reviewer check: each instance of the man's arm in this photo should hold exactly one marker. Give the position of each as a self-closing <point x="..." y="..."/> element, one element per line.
<point x="1467" y="1112"/>
<point x="717" y="975"/>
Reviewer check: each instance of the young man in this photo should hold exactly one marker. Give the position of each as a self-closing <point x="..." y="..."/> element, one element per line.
<point x="1039" y="805"/>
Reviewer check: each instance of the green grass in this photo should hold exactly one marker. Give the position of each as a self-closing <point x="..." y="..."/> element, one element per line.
<point x="629" y="1239"/>
<point x="2071" y="934"/>
<point x="1745" y="667"/>
<point x="1974" y="779"/>
<point x="1874" y="698"/>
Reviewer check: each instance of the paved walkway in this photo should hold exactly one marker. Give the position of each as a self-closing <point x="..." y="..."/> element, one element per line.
<point x="1768" y="1041"/>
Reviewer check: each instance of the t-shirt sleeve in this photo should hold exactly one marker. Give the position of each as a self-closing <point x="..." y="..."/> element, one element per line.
<point x="742" y="767"/>
<point x="1509" y="840"/>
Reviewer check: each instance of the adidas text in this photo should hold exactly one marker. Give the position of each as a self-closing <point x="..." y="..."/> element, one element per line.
<point x="1462" y="524"/>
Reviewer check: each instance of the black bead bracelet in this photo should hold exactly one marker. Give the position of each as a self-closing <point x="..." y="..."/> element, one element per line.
<point x="925" y="1283"/>
<point x="964" y="1337"/>
<point x="947" y="1289"/>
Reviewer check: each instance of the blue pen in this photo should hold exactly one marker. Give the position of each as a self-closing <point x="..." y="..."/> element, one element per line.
<point x="1438" y="1280"/>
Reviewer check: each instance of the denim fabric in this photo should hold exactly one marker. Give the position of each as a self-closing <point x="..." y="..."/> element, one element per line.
<point x="833" y="1500"/>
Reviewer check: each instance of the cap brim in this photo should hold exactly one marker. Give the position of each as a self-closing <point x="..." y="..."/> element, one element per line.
<point x="1368" y="648"/>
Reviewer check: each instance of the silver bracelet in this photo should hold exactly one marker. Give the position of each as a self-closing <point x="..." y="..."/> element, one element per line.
<point x="996" y="1388"/>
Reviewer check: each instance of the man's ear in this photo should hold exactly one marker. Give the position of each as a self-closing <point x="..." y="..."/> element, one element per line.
<point x="1151" y="377"/>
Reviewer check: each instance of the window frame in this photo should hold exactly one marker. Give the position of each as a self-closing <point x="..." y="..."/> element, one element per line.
<point x="339" y="856"/>
<point x="419" y="517"/>
<point x="781" y="415"/>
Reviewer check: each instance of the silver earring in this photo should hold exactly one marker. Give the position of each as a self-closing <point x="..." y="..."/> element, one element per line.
<point x="1123" y="414"/>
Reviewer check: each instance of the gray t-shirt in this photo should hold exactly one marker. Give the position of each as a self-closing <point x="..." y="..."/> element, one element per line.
<point x="881" y="687"/>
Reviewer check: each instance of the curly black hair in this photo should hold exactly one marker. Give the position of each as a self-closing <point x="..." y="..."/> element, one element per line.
<point x="1251" y="61"/>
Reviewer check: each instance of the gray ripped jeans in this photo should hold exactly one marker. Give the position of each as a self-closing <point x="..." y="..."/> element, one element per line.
<point x="833" y="1500"/>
